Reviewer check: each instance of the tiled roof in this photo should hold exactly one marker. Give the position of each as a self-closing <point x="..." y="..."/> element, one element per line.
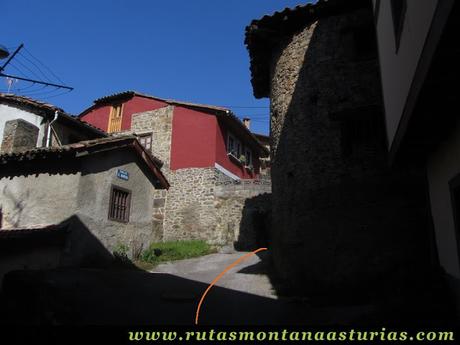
<point x="264" y="139"/>
<point x="49" y="110"/>
<point x="224" y="113"/>
<point x="130" y="93"/>
<point x="263" y="34"/>
<point x="22" y="100"/>
<point x="88" y="147"/>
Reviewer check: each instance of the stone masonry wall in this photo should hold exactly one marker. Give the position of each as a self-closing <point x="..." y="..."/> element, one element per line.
<point x="201" y="203"/>
<point x="189" y="210"/>
<point x="19" y="135"/>
<point x="159" y="123"/>
<point x="342" y="219"/>
<point x="241" y="207"/>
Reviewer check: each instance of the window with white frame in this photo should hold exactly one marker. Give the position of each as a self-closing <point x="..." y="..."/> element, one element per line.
<point x="233" y="146"/>
<point x="238" y="149"/>
<point x="248" y="156"/>
<point x="146" y="140"/>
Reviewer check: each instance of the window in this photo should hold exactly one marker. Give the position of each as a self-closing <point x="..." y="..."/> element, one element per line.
<point x="238" y="150"/>
<point x="146" y="140"/>
<point x="116" y="114"/>
<point x="230" y="144"/>
<point x="234" y="146"/>
<point x="398" y="11"/>
<point x="120" y="200"/>
<point x="248" y="156"/>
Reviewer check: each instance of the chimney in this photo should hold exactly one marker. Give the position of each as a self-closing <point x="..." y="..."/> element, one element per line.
<point x="19" y="135"/>
<point x="247" y="122"/>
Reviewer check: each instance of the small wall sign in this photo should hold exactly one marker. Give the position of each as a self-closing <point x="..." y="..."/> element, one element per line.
<point x="122" y="174"/>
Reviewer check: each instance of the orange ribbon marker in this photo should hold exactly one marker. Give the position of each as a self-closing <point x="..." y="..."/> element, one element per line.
<point x="244" y="257"/>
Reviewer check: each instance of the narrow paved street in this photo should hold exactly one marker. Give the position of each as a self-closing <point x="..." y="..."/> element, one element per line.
<point x="248" y="276"/>
<point x="168" y="295"/>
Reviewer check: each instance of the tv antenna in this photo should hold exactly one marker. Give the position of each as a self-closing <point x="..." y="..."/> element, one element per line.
<point x="32" y="74"/>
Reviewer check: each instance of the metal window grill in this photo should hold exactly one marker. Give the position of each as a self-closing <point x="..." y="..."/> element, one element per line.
<point x="120" y="201"/>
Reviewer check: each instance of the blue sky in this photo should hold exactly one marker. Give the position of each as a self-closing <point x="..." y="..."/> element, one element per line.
<point x="187" y="50"/>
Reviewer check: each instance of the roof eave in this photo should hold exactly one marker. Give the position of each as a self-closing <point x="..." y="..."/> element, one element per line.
<point x="262" y="34"/>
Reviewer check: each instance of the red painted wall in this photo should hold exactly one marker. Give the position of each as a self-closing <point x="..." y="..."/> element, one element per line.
<point x="198" y="139"/>
<point x="99" y="117"/>
<point x="193" y="141"/>
<point x="230" y="164"/>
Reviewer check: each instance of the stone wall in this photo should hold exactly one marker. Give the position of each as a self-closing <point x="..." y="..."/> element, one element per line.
<point x="241" y="207"/>
<point x="19" y="135"/>
<point x="342" y="219"/>
<point x="189" y="210"/>
<point x="159" y="123"/>
<point x="202" y="203"/>
<point x="159" y="201"/>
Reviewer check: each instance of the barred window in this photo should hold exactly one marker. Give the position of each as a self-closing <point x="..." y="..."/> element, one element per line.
<point x="120" y="200"/>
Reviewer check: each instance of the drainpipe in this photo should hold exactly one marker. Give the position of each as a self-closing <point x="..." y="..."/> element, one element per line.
<point x="48" y="137"/>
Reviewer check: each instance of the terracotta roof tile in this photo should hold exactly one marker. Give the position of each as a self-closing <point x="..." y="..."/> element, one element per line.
<point x="49" y="110"/>
<point x="88" y="146"/>
<point x="224" y="113"/>
<point x="131" y="93"/>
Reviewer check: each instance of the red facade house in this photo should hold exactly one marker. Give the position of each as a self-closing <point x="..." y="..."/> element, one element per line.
<point x="201" y="135"/>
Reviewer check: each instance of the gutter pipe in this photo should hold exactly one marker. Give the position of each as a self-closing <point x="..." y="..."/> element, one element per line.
<point x="48" y="137"/>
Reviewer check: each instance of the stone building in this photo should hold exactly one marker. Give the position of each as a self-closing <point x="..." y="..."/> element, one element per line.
<point x="344" y="225"/>
<point x="99" y="190"/>
<point x="264" y="161"/>
<point x="419" y="67"/>
<point x="27" y="123"/>
<point x="211" y="159"/>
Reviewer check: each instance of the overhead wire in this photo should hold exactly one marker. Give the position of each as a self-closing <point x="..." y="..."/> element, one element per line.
<point x="37" y="67"/>
<point x="59" y="94"/>
<point x="26" y="67"/>
<point x="39" y="92"/>
<point x="21" y="73"/>
<point x="30" y="67"/>
<point x="41" y="63"/>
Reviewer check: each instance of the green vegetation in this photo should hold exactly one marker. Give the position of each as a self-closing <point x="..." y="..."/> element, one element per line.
<point x="121" y="249"/>
<point x="158" y="253"/>
<point x="175" y="250"/>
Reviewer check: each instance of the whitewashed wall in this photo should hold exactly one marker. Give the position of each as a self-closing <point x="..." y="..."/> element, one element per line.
<point x="398" y="68"/>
